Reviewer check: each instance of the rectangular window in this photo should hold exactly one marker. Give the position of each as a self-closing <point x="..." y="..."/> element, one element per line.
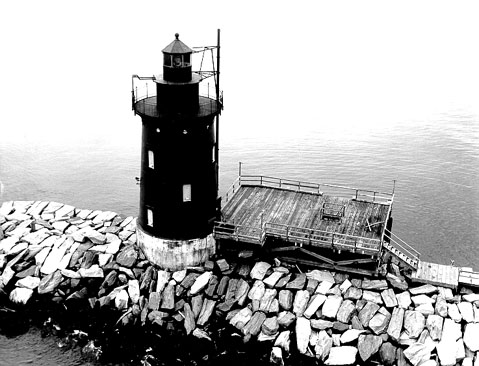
<point x="213" y="154"/>
<point x="186" y="192"/>
<point x="149" y="215"/>
<point x="151" y="159"/>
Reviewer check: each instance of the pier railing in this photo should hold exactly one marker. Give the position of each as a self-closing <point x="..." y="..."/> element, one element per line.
<point x="312" y="188"/>
<point x="297" y="235"/>
<point x="401" y="249"/>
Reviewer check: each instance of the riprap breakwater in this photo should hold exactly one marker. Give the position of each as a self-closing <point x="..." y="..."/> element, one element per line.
<point x="82" y="272"/>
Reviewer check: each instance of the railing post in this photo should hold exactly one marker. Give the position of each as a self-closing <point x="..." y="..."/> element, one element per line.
<point x="356" y="194"/>
<point x="261" y="180"/>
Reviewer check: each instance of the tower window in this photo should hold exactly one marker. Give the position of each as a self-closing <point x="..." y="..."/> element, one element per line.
<point x="213" y="154"/>
<point x="151" y="159"/>
<point x="149" y="216"/>
<point x="186" y="192"/>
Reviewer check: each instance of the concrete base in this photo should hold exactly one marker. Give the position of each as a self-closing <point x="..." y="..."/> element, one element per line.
<point x="175" y="255"/>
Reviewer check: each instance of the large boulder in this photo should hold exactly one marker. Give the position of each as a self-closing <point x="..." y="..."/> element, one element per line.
<point x="344" y="355"/>
<point x="396" y="323"/>
<point x="417" y="353"/>
<point x="127" y="256"/>
<point x="331" y="306"/>
<point x="387" y="354"/>
<point x="50" y="283"/>
<point x="471" y="336"/>
<point x="368" y="345"/>
<point x="303" y="333"/>
<point x="323" y="345"/>
<point x="414" y="323"/>
<point x="21" y="295"/>
<point x="367" y="312"/>
<point x="259" y="270"/>
<point x="434" y="325"/>
<point x="345" y="311"/>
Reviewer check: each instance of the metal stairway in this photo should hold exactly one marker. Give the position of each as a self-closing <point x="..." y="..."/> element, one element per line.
<point x="401" y="250"/>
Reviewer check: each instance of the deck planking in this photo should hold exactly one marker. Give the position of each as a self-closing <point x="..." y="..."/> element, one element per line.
<point x="252" y="205"/>
<point x="436" y="274"/>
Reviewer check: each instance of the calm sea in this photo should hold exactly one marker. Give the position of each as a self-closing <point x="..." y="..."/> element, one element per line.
<point x="434" y="161"/>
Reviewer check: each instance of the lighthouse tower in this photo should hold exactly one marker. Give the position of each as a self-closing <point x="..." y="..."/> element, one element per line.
<point x="179" y="161"/>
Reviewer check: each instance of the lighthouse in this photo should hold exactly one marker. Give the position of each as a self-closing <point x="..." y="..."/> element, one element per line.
<point x="179" y="159"/>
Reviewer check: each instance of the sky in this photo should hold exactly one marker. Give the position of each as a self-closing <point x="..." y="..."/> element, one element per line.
<point x="348" y="65"/>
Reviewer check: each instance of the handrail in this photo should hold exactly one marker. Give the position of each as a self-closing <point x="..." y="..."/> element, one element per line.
<point x="308" y="187"/>
<point x="396" y="238"/>
<point x="412" y="253"/>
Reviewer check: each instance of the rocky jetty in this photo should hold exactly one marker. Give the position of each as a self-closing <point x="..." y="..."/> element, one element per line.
<point x="61" y="256"/>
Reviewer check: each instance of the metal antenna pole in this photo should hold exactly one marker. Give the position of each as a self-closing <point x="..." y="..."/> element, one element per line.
<point x="218" y="115"/>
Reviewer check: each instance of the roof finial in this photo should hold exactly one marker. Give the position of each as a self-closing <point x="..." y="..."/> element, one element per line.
<point x="177" y="35"/>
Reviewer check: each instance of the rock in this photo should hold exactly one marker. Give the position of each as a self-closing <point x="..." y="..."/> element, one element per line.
<point x="298" y="283"/>
<point x="241" y="318"/>
<point x="425" y="289"/>
<point x="21" y="295"/>
<point x="259" y="270"/>
<point x="414" y="323"/>
<point x="324" y="287"/>
<point x="368" y="345"/>
<point x="121" y="300"/>
<point x="157" y="317"/>
<point x="397" y="282"/>
<point x="350" y="335"/>
<point x="168" y="296"/>
<point x="367" y="312"/>
<point x="425" y="309"/>
<point x="300" y="302"/>
<point x="257" y="291"/>
<point x="154" y="300"/>
<point x="331" y="306"/>
<point x="276" y="357"/>
<point x="222" y="265"/>
<point x="200" y="283"/>
<point x="453" y="312"/>
<point x="344" y="355"/>
<point x="267" y="300"/>
<point x="345" y="311"/>
<point x="421" y="299"/>
<point x="396" y="323"/>
<point x="241" y="293"/>
<point x="134" y="291"/>
<point x="273" y="279"/>
<point x="470" y="297"/>
<point x="372" y="296"/>
<point x="285" y="299"/>
<point x="451" y="329"/>
<point x="270" y="326"/>
<point x="50" y="282"/>
<point x="286" y="318"/>
<point x="417" y="353"/>
<point x="356" y="323"/>
<point x="29" y="282"/>
<point x="283" y="340"/>
<point x="206" y="311"/>
<point x="387" y="354"/>
<point x="323" y="346"/>
<point x="471" y="336"/>
<point x="379" y="322"/>
<point x="283" y="281"/>
<point x="311" y="286"/>
<point x="374" y="284"/>
<point x="446" y="351"/>
<point x="441" y="307"/>
<point x="189" y="322"/>
<point x="321" y="276"/>
<point x="253" y="327"/>
<point x="95" y="236"/>
<point x="465" y="308"/>
<point x="93" y="272"/>
<point x="389" y="298"/>
<point x="179" y="276"/>
<point x="460" y="350"/>
<point x="434" y="325"/>
<point x="201" y="334"/>
<point x="353" y="293"/>
<point x="127" y="257"/>
<point x="316" y="301"/>
<point x="303" y="333"/>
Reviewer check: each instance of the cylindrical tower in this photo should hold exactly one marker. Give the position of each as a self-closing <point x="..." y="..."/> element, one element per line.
<point x="179" y="165"/>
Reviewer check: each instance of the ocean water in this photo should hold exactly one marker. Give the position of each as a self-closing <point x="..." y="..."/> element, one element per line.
<point x="433" y="163"/>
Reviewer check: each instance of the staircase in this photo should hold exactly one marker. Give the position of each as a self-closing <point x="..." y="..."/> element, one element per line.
<point x="401" y="250"/>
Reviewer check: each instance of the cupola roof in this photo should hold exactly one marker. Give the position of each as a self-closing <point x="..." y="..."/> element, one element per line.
<point x="177" y="47"/>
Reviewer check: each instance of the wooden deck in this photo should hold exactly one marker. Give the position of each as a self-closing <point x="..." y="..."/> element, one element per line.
<point x="436" y="274"/>
<point x="300" y="216"/>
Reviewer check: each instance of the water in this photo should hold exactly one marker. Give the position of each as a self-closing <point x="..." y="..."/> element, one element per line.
<point x="434" y="161"/>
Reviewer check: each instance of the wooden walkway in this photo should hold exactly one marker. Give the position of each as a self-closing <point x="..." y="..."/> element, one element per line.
<point x="436" y="274"/>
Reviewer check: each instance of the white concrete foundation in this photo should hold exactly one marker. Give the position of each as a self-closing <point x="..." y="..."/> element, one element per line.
<point x="175" y="255"/>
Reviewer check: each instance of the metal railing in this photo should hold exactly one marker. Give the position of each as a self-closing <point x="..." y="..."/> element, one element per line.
<point x="396" y="242"/>
<point x="297" y="235"/>
<point x="317" y="188"/>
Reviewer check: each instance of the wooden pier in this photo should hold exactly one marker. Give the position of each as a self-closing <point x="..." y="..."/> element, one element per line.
<point x="307" y="215"/>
